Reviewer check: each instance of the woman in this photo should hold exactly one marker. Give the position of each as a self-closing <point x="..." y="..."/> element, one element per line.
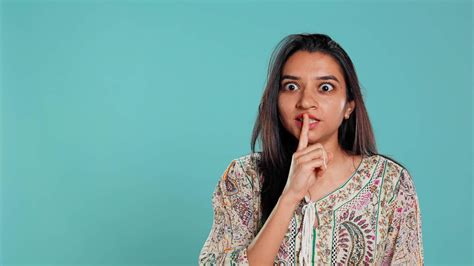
<point x="318" y="192"/>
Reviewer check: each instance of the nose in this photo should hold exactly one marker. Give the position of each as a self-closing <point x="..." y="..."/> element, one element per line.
<point x="307" y="99"/>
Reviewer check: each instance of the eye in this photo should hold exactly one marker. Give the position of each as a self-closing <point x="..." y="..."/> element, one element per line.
<point x="289" y="86"/>
<point x="325" y="85"/>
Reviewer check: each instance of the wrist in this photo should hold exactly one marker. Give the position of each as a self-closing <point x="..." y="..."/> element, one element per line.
<point x="289" y="199"/>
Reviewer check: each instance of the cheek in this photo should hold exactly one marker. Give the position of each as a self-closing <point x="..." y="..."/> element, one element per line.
<point x="335" y="107"/>
<point x="284" y="110"/>
<point x="282" y="106"/>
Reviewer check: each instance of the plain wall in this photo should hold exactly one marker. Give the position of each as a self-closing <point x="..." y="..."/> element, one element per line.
<point x="118" y="118"/>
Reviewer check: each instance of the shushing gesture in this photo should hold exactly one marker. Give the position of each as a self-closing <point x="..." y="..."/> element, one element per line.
<point x="307" y="163"/>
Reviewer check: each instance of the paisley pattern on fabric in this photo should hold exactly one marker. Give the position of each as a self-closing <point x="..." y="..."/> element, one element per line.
<point x="230" y="184"/>
<point x="372" y="219"/>
<point x="356" y="241"/>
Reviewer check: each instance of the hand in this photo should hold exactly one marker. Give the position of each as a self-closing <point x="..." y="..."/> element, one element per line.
<point x="307" y="163"/>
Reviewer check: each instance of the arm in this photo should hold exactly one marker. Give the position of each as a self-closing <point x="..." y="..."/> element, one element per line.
<point x="230" y="239"/>
<point x="230" y="234"/>
<point x="264" y="247"/>
<point x="405" y="237"/>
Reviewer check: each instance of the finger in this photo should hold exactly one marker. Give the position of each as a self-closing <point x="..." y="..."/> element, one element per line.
<point x="315" y="153"/>
<point x="325" y="155"/>
<point x="315" y="163"/>
<point x="329" y="158"/>
<point x="325" y="158"/>
<point x="303" y="142"/>
<point x="312" y="147"/>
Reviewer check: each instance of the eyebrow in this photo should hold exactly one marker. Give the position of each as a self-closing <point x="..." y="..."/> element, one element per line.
<point x="328" y="77"/>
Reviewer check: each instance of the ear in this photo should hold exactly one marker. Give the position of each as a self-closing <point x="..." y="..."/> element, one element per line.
<point x="349" y="109"/>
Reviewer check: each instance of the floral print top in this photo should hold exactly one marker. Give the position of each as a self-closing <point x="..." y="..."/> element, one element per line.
<point x="372" y="219"/>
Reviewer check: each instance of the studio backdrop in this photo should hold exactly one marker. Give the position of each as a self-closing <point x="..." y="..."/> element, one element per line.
<point x="119" y="117"/>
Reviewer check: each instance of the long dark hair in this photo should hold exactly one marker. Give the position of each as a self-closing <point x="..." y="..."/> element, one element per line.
<point x="355" y="135"/>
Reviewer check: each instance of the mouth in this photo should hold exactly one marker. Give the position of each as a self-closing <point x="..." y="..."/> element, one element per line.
<point x="311" y="120"/>
<point x="311" y="117"/>
<point x="312" y="123"/>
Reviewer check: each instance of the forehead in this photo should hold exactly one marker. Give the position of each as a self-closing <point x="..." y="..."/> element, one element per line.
<point x="303" y="63"/>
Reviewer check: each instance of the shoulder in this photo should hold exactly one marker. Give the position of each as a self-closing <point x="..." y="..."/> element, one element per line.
<point x="240" y="177"/>
<point x="397" y="177"/>
<point x="388" y="163"/>
<point x="248" y="164"/>
<point x="392" y="167"/>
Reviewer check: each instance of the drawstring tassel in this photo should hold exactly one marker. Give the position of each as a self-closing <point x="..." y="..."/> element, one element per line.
<point x="307" y="233"/>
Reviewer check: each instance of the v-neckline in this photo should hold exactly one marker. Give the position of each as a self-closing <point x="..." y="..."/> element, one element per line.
<point x="355" y="173"/>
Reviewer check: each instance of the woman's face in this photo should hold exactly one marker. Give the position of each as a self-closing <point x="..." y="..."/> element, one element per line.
<point x="313" y="83"/>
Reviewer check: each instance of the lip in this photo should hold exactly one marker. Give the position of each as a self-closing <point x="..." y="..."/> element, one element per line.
<point x="311" y="125"/>
<point x="309" y="116"/>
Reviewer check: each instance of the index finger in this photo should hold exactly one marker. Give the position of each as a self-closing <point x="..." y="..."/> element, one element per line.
<point x="303" y="142"/>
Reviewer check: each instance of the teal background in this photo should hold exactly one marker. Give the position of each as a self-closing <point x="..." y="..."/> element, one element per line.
<point x="118" y="118"/>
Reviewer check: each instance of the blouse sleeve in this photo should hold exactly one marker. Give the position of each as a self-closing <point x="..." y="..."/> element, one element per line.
<point x="232" y="228"/>
<point x="405" y="245"/>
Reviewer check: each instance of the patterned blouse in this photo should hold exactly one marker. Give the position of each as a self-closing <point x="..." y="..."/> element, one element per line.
<point x="372" y="219"/>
